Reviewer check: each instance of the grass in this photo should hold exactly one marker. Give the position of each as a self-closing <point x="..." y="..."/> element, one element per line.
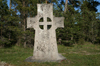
<point x="78" y="55"/>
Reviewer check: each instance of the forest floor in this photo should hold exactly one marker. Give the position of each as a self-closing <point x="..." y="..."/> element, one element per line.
<point x="77" y="55"/>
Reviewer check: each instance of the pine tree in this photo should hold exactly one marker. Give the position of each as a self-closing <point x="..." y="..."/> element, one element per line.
<point x="8" y="24"/>
<point x="89" y="21"/>
<point x="79" y="26"/>
<point x="67" y="34"/>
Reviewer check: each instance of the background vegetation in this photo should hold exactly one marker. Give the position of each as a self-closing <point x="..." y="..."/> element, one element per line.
<point x="81" y="21"/>
<point x="81" y="25"/>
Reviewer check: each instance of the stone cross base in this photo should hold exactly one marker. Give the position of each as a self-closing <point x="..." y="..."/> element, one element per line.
<point x="31" y="59"/>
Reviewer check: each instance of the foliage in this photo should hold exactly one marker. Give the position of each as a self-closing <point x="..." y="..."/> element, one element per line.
<point x="8" y="25"/>
<point x="80" y="25"/>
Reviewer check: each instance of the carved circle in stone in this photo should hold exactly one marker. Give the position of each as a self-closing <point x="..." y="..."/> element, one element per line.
<point x="41" y="20"/>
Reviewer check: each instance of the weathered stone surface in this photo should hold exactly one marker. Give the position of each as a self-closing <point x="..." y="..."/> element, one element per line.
<point x="45" y="46"/>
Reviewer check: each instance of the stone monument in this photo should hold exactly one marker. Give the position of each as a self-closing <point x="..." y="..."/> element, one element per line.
<point x="45" y="24"/>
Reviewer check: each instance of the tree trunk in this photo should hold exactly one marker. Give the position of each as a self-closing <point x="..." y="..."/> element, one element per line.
<point x="24" y="34"/>
<point x="46" y="1"/>
<point x="10" y="4"/>
<point x="1" y="29"/>
<point x="1" y="26"/>
<point x="24" y="28"/>
<point x="72" y="38"/>
<point x="92" y="33"/>
<point x="65" y="6"/>
<point x="18" y="42"/>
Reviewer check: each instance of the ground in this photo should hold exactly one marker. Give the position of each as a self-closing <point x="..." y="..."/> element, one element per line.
<point x="77" y="55"/>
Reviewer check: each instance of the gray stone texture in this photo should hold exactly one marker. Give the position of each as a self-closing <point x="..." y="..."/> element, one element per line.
<point x="45" y="46"/>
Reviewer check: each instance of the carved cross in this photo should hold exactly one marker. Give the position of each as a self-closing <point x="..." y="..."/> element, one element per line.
<point x="45" y="46"/>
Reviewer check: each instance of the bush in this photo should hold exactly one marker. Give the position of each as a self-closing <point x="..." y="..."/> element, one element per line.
<point x="81" y="41"/>
<point x="4" y="41"/>
<point x="67" y="43"/>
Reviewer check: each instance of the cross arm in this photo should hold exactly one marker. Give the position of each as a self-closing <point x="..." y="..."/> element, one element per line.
<point x="59" y="22"/>
<point x="31" y="22"/>
<point x="42" y="23"/>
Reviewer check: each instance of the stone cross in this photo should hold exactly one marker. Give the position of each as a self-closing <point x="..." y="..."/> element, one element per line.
<point x="45" y="24"/>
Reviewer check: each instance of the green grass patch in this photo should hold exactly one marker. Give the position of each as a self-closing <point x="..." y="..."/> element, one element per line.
<point x="78" y="55"/>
